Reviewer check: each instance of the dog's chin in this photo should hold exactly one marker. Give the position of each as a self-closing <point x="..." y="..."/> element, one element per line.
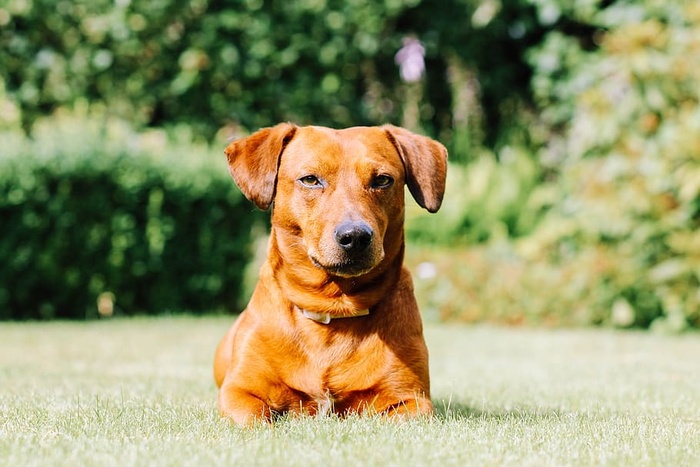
<point x="345" y="269"/>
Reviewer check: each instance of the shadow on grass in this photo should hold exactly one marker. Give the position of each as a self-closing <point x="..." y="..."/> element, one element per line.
<point x="451" y="410"/>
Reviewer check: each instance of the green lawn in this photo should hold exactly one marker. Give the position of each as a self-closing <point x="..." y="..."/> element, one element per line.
<point x="140" y="392"/>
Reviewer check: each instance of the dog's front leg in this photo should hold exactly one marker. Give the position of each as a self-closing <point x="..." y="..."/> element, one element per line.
<point x="411" y="408"/>
<point x="242" y="407"/>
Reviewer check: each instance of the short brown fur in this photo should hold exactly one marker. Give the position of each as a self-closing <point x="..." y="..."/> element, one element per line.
<point x="276" y="359"/>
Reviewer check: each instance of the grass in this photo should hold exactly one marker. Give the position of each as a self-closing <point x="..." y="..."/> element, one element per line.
<point x="140" y="392"/>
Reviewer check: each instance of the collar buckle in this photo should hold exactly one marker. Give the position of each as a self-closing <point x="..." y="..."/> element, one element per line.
<point x="325" y="318"/>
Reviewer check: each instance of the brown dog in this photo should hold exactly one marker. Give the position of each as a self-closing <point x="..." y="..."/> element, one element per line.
<point x="335" y="251"/>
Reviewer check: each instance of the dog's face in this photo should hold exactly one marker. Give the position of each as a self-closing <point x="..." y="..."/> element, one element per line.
<point x="338" y="194"/>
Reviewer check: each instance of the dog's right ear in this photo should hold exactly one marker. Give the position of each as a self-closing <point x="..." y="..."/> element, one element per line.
<point x="253" y="162"/>
<point x="425" y="161"/>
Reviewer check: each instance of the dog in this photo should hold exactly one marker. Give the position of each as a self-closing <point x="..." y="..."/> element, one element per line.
<point x="332" y="325"/>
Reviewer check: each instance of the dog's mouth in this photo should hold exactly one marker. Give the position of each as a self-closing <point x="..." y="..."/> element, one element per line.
<point x="349" y="267"/>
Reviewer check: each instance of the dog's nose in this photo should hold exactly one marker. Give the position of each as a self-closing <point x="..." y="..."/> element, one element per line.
<point x="354" y="237"/>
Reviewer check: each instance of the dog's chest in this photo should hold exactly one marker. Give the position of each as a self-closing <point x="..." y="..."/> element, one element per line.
<point x="334" y="369"/>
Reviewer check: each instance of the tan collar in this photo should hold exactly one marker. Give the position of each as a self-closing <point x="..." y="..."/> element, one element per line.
<point x="325" y="318"/>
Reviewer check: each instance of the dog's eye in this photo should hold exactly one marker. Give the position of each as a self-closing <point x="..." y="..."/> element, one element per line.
<point x="382" y="181"/>
<point x="310" y="181"/>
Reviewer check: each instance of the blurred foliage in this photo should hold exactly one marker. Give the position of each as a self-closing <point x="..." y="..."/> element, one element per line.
<point x="614" y="237"/>
<point x="629" y="158"/>
<point x="90" y="210"/>
<point x="573" y="127"/>
<point x="484" y="200"/>
<point x="253" y="63"/>
<point x="494" y="283"/>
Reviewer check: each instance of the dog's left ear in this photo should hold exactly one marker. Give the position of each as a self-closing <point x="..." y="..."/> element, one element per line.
<point x="253" y="162"/>
<point x="425" y="161"/>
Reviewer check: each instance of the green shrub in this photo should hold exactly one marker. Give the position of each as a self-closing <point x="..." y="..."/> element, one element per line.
<point x="494" y="283"/>
<point x="617" y="238"/>
<point x="629" y="193"/>
<point x="92" y="210"/>
<point x="484" y="199"/>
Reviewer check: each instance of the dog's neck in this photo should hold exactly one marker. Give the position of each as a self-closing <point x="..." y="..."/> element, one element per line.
<point x="318" y="294"/>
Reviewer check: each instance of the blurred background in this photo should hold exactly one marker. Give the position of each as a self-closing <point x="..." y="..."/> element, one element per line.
<point x="573" y="129"/>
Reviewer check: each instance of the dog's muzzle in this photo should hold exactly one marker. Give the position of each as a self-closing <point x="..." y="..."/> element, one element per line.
<point x="354" y="237"/>
<point x="351" y="251"/>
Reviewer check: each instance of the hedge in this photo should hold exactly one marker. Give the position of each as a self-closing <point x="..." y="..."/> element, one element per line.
<point x="253" y="63"/>
<point x="90" y="210"/>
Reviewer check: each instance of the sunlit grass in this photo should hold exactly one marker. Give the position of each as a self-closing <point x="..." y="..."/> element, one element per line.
<point x="140" y="392"/>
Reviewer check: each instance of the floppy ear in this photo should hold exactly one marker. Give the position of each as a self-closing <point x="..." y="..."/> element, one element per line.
<point x="253" y="162"/>
<point x="425" y="161"/>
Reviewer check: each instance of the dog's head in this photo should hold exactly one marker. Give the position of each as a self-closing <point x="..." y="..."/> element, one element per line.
<point x="338" y="194"/>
